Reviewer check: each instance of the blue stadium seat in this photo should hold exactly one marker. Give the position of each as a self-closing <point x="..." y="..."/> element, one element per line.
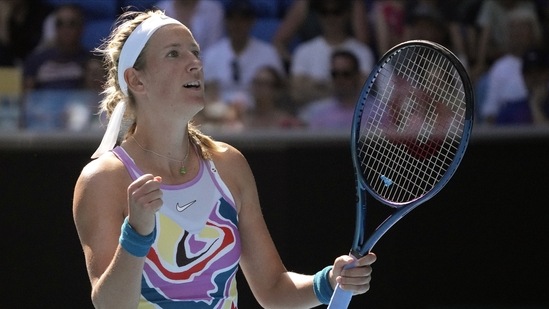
<point x="50" y="110"/>
<point x="265" y="28"/>
<point x="93" y="9"/>
<point x="266" y="8"/>
<point x="137" y="4"/>
<point x="95" y="31"/>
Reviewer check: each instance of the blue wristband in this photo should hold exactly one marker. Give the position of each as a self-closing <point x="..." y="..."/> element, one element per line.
<point x="321" y="285"/>
<point x="136" y="244"/>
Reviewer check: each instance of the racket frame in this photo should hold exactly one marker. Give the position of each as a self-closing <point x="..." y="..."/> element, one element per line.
<point x="361" y="246"/>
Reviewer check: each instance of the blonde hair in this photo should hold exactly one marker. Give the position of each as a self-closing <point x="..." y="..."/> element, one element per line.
<point x="112" y="94"/>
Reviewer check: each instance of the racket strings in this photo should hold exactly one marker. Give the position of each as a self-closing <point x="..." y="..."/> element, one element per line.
<point x="412" y="130"/>
<point x="391" y="159"/>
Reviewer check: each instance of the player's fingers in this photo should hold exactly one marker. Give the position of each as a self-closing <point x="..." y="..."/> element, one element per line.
<point x="145" y="191"/>
<point x="357" y="272"/>
<point x="342" y="262"/>
<point x="356" y="279"/>
<point x="356" y="289"/>
<point x="368" y="259"/>
<point x="145" y="199"/>
<point x="348" y="262"/>
<point x="136" y="184"/>
<point x="152" y="200"/>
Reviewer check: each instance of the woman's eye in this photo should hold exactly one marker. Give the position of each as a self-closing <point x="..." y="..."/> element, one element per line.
<point x="196" y="53"/>
<point x="173" y="53"/>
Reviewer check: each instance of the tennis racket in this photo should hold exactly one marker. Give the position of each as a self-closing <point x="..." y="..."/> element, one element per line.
<point x="410" y="130"/>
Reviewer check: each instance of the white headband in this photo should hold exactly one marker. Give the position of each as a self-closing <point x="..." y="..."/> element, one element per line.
<point x="136" y="42"/>
<point x="128" y="55"/>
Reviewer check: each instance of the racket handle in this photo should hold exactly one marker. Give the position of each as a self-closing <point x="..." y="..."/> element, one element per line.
<point x="340" y="299"/>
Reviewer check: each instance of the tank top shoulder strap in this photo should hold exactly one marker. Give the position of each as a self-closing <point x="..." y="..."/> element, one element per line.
<point x="128" y="162"/>
<point x="220" y="184"/>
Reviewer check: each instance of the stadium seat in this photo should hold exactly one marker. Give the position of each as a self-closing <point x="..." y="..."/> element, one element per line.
<point x="95" y="31"/>
<point x="265" y="28"/>
<point x="93" y="9"/>
<point x="137" y="4"/>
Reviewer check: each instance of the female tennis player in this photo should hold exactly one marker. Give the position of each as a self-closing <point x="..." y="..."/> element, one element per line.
<point x="166" y="217"/>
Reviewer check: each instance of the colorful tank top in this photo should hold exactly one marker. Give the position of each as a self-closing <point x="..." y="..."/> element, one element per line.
<point x="194" y="260"/>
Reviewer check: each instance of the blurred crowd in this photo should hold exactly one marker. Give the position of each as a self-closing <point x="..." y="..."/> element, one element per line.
<point x="278" y="64"/>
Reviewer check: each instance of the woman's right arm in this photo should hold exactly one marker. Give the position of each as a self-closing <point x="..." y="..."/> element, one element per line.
<point x="101" y="197"/>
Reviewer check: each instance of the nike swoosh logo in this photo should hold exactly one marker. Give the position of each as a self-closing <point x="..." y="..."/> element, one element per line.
<point x="182" y="208"/>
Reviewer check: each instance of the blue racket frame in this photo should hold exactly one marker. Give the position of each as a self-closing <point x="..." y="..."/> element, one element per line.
<point x="361" y="246"/>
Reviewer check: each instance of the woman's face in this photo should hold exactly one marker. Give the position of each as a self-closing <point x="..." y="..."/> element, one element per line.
<point x="172" y="76"/>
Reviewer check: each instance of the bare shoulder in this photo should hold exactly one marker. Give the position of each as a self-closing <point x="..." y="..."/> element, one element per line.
<point x="102" y="171"/>
<point x="231" y="161"/>
<point x="228" y="156"/>
<point x="101" y="183"/>
<point x="235" y="172"/>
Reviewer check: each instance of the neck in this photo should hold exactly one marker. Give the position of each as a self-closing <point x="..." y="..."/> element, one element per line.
<point x="161" y="128"/>
<point x="171" y="145"/>
<point x="173" y="162"/>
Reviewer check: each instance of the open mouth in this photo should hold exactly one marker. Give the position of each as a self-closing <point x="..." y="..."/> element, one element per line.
<point x="191" y="85"/>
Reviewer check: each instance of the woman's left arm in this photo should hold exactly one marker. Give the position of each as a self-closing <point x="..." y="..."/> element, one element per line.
<point x="272" y="285"/>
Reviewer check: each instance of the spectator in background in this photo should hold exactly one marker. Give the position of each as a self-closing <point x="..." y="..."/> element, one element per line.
<point x="94" y="74"/>
<point x="449" y="22"/>
<point x="94" y="80"/>
<point x="20" y="29"/>
<point x="461" y="17"/>
<point x="203" y="17"/>
<point x="79" y="108"/>
<point x="54" y="78"/>
<point x="426" y="22"/>
<point x="506" y="100"/>
<point x="535" y="70"/>
<point x="492" y="22"/>
<point x="269" y="93"/>
<point x="310" y="68"/>
<point x="336" y="112"/>
<point x="300" y="23"/>
<point x="230" y="64"/>
<point x="388" y="20"/>
<point x="61" y="65"/>
<point x="542" y="7"/>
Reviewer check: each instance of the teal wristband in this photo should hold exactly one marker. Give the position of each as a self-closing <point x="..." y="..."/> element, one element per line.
<point x="321" y="285"/>
<point x="136" y="244"/>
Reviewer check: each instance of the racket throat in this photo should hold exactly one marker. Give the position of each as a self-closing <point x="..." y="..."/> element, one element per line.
<point x="355" y="253"/>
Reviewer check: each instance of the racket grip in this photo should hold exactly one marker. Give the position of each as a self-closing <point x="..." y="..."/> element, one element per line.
<point x="340" y="299"/>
